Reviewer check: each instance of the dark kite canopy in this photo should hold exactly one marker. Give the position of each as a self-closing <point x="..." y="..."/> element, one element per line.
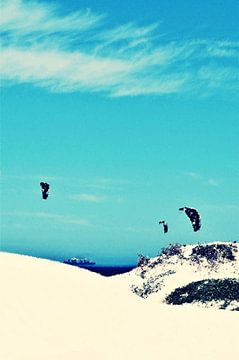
<point x="165" y="226"/>
<point x="44" y="188"/>
<point x="193" y="216"/>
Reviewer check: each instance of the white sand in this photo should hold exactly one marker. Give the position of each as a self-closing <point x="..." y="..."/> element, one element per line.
<point x="52" y="311"/>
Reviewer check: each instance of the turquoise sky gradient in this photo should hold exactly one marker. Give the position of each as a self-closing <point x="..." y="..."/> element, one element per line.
<point x="129" y="112"/>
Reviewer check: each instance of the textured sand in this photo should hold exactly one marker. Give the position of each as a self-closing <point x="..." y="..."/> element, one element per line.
<point x="52" y="311"/>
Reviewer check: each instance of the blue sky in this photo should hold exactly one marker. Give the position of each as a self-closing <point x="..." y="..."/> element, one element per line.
<point x="129" y="111"/>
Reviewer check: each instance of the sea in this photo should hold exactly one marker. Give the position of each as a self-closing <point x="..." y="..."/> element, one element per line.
<point x="108" y="270"/>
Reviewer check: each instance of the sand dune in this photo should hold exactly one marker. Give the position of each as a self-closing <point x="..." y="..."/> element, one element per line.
<point x="180" y="265"/>
<point x="52" y="311"/>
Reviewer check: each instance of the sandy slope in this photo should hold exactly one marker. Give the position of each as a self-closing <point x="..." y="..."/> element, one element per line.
<point x="51" y="311"/>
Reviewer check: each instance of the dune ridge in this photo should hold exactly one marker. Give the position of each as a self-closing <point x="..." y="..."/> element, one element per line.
<point x="52" y="311"/>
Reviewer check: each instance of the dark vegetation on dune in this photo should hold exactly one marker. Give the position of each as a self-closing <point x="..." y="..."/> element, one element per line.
<point x="151" y="285"/>
<point x="143" y="260"/>
<point x="209" y="256"/>
<point x="205" y="291"/>
<point x="214" y="253"/>
<point x="166" y="253"/>
<point x="171" y="250"/>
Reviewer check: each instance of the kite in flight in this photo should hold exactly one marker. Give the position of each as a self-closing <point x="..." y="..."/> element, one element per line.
<point x="44" y="188"/>
<point x="165" y="226"/>
<point x="193" y="216"/>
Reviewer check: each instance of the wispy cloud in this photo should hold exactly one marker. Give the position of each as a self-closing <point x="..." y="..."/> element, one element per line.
<point x="88" y="189"/>
<point x="49" y="216"/>
<point x="88" y="197"/>
<point x="77" y="51"/>
<point x="192" y="174"/>
<point x="92" y="198"/>
<point x="202" y="179"/>
<point x="28" y="177"/>
<point x="139" y="230"/>
<point x="212" y="182"/>
<point x="221" y="207"/>
<point x="44" y="18"/>
<point x="224" y="49"/>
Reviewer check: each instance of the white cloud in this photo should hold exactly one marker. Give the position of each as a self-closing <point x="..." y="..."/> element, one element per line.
<point x="197" y="177"/>
<point x="49" y="216"/>
<point x="192" y="174"/>
<point x="129" y="32"/>
<point x="88" y="197"/>
<point x="139" y="230"/>
<point x="212" y="182"/>
<point x="75" y="221"/>
<point x="31" y="16"/>
<point x="60" y="71"/>
<point x="224" y="49"/>
<point x="70" y="52"/>
<point x="109" y="184"/>
<point x="29" y="177"/>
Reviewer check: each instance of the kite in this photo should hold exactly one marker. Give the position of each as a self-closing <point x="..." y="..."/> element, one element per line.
<point x="44" y="188"/>
<point x="193" y="216"/>
<point x="165" y="226"/>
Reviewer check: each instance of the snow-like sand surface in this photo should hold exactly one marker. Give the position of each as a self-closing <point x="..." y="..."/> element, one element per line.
<point x="52" y="311"/>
